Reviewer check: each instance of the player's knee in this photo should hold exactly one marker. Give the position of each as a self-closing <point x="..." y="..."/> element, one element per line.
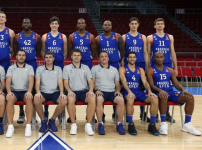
<point x="100" y="100"/>
<point x="92" y="100"/>
<point x="120" y="101"/>
<point x="2" y="100"/>
<point x="163" y="100"/>
<point x="130" y="101"/>
<point x="28" y="101"/>
<point x="154" y="101"/>
<point x="71" y="101"/>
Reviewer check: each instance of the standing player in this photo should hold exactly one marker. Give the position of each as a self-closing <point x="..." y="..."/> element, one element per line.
<point x="6" y="42"/>
<point x="2" y="97"/>
<point x="159" y="77"/>
<point x="162" y="42"/>
<point x="112" y="43"/>
<point x="136" y="42"/>
<point x="31" y="43"/>
<point x="55" y="42"/>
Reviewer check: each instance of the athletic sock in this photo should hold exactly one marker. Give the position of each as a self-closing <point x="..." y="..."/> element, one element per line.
<point x="187" y="118"/>
<point x="118" y="123"/>
<point x="141" y="109"/>
<point x="152" y="118"/>
<point x="163" y="117"/>
<point x="46" y="107"/>
<point x="167" y="109"/>
<point x="114" y="109"/>
<point x="1" y="119"/>
<point x="130" y="118"/>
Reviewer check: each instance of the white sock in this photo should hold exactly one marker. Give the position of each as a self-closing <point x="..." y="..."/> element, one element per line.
<point x="10" y="125"/>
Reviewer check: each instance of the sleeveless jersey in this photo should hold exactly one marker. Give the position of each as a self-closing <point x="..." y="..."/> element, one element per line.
<point x="83" y="44"/>
<point x="162" y="78"/>
<point x="161" y="45"/>
<point x="134" y="44"/>
<point x="55" y="44"/>
<point x="133" y="78"/>
<point x="4" y="44"/>
<point x="28" y="44"/>
<point x="110" y="45"/>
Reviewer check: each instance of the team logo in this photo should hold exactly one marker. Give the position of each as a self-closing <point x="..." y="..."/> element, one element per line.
<point x="138" y="71"/>
<point x="167" y="70"/>
<point x="113" y="37"/>
<point x="6" y="32"/>
<point x="177" y="93"/>
<point x="146" y="94"/>
<point x="140" y="37"/>
<point x="48" y="36"/>
<point x="154" y="71"/>
<point x="98" y="70"/>
<point x="70" y="71"/>
<point x="60" y="37"/>
<point x="167" y="38"/>
<point x="20" y="36"/>
<point x="87" y="37"/>
<point x="127" y="37"/>
<point x="33" y="37"/>
<point x="155" y="38"/>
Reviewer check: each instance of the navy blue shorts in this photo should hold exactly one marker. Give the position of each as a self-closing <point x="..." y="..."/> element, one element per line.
<point x="140" y="95"/>
<point x="114" y="64"/>
<point x="169" y="65"/>
<point x="88" y="63"/>
<point x="80" y="96"/>
<point x="19" y="95"/>
<point x="5" y="64"/>
<point x="59" y="63"/>
<point x="33" y="64"/>
<point x="51" y="97"/>
<point x="109" y="96"/>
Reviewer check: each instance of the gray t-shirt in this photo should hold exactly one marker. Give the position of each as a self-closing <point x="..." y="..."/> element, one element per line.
<point x="49" y="78"/>
<point x="77" y="77"/>
<point x="2" y="74"/>
<point x="105" y="78"/>
<point x="20" y="77"/>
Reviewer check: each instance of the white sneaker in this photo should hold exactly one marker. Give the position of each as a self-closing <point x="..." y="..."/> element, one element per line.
<point x="88" y="129"/>
<point x="73" y="130"/>
<point x="188" y="127"/>
<point x="163" y="128"/>
<point x="28" y="130"/>
<point x="10" y="131"/>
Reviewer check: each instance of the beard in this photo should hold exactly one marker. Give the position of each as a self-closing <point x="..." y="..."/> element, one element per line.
<point x="131" y="63"/>
<point x="27" y="29"/>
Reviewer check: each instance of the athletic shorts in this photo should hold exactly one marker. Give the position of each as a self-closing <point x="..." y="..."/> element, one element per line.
<point x="140" y="96"/>
<point x="59" y="63"/>
<point x="80" y="95"/>
<point x="114" y="64"/>
<point x="5" y="64"/>
<point x="51" y="97"/>
<point x="33" y="64"/>
<point x="88" y="63"/>
<point x="109" y="96"/>
<point x="169" y="65"/>
<point x="19" y="95"/>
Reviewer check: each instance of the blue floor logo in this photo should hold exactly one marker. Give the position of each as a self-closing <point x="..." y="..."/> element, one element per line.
<point x="49" y="141"/>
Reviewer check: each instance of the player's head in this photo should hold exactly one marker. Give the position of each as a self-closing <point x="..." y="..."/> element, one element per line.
<point x="159" y="58"/>
<point x="134" y="23"/>
<point x="54" y="23"/>
<point x="131" y="57"/>
<point x="76" y="55"/>
<point x="81" y="24"/>
<point x="107" y="26"/>
<point x="21" y="56"/>
<point x="159" y="24"/>
<point x="2" y="17"/>
<point x="26" y="24"/>
<point x="49" y="57"/>
<point x="104" y="57"/>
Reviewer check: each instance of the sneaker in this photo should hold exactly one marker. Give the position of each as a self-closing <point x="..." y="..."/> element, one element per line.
<point x="120" y="129"/>
<point x="131" y="129"/>
<point x="157" y="118"/>
<point x="69" y="120"/>
<point x="46" y="113"/>
<point x="113" y="117"/>
<point x="28" y="130"/>
<point x="101" y="130"/>
<point x="43" y="127"/>
<point x="152" y="129"/>
<point x="169" y="118"/>
<point x="10" y="131"/>
<point x="163" y="128"/>
<point x="73" y="130"/>
<point x="88" y="129"/>
<point x="188" y="127"/>
<point x="148" y="119"/>
<point x="103" y="118"/>
<point x="21" y="119"/>
<point x="51" y="125"/>
<point x="1" y="129"/>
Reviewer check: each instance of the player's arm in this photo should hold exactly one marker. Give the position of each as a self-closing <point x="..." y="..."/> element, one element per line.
<point x="3" y="85"/>
<point x="70" y="45"/>
<point x="149" y="42"/>
<point x="90" y="84"/>
<point x="173" y="54"/>
<point x="65" y="47"/>
<point x="121" y="46"/>
<point x="15" y="45"/>
<point x="37" y="85"/>
<point x="12" y="35"/>
<point x="8" y="84"/>
<point x="124" y="41"/>
<point x="97" y="46"/>
<point x="43" y="48"/>
<point x="38" y="46"/>
<point x="145" y="52"/>
<point x="93" y="46"/>
<point x="31" y="83"/>
<point x="123" y="79"/>
<point x="144" y="81"/>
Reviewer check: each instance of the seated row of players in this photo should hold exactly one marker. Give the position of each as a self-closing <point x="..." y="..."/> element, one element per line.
<point x="98" y="85"/>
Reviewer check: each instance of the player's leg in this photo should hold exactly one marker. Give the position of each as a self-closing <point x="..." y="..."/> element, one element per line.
<point x="2" y="111"/>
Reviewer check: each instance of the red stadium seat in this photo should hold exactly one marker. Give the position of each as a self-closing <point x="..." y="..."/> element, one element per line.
<point x="188" y="74"/>
<point x="198" y="73"/>
<point x="191" y="64"/>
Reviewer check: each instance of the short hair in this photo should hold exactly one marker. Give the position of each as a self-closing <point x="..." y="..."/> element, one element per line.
<point x="54" y="18"/>
<point x="27" y="19"/>
<point x="49" y="53"/>
<point x="81" y="19"/>
<point x="1" y="12"/>
<point x="159" y="19"/>
<point x="134" y="19"/>
<point x="75" y="51"/>
<point x="107" y="21"/>
<point x="21" y="50"/>
<point x="103" y="52"/>
<point x="130" y="53"/>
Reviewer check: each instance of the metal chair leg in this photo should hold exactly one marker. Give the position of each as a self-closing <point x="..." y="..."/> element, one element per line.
<point x="93" y="122"/>
<point x="172" y="115"/>
<point x="5" y="121"/>
<point x="181" y="115"/>
<point x="63" y="115"/>
<point x="34" y="120"/>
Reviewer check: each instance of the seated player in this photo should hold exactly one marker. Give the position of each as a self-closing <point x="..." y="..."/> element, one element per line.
<point x="49" y="86"/>
<point x="19" y="84"/>
<point x="2" y="97"/>
<point x="159" y="77"/>
<point x="107" y="88"/>
<point x="79" y="85"/>
<point x="131" y="78"/>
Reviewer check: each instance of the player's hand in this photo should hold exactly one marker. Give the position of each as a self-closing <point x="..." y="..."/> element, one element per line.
<point x="90" y="94"/>
<point x="28" y="95"/>
<point x="71" y="94"/>
<point x="117" y="93"/>
<point x="63" y="97"/>
<point x="131" y="95"/>
<point x="185" y="93"/>
<point x="163" y="94"/>
<point x="98" y="93"/>
<point x="1" y="92"/>
<point x="9" y="95"/>
<point x="38" y="96"/>
<point x="150" y="94"/>
<point x="176" y="71"/>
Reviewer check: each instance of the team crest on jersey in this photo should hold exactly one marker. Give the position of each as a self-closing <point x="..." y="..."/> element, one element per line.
<point x="70" y="71"/>
<point x="87" y="37"/>
<point x="33" y="37"/>
<point x="140" y="37"/>
<point x="167" y="38"/>
<point x="6" y="32"/>
<point x="113" y="37"/>
<point x="146" y="94"/>
<point x="138" y="71"/>
<point x="60" y="37"/>
<point x="177" y="93"/>
<point x="167" y="70"/>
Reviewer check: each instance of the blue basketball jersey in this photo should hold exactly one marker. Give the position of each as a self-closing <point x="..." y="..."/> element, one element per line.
<point x="110" y="45"/>
<point x="83" y="44"/>
<point x="133" y="78"/>
<point x="161" y="45"/>
<point x="28" y="44"/>
<point x="55" y="44"/>
<point x="162" y="78"/>
<point x="4" y="44"/>
<point x="134" y="44"/>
